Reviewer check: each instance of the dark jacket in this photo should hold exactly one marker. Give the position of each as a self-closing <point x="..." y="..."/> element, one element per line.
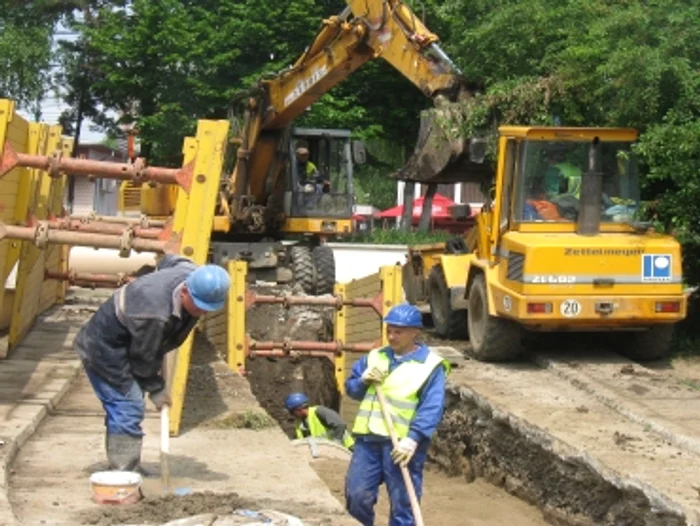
<point x="128" y="336"/>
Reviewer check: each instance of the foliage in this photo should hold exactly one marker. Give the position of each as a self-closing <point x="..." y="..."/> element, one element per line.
<point x="26" y="29"/>
<point x="380" y="236"/>
<point x="372" y="183"/>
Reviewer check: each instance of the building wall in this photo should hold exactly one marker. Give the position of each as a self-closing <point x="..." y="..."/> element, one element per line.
<point x="99" y="195"/>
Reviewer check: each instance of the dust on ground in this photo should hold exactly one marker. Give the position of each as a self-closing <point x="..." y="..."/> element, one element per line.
<point x="160" y="510"/>
<point x="272" y="379"/>
<point x="49" y="482"/>
<point x="446" y="500"/>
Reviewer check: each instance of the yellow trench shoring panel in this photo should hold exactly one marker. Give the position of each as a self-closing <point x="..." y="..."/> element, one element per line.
<point x="31" y="288"/>
<point x="194" y="215"/>
<point x="26" y="193"/>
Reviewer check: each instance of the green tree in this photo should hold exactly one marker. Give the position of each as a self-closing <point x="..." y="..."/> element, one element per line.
<point x="26" y="30"/>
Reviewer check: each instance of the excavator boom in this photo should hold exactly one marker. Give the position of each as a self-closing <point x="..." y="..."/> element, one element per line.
<point x="365" y="30"/>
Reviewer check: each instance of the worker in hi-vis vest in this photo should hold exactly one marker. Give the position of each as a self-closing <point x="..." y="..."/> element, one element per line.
<point x="412" y="378"/>
<point x="317" y="421"/>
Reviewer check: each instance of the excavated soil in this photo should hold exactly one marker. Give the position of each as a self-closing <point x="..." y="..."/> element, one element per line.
<point x="157" y="511"/>
<point x="473" y="442"/>
<point x="272" y="379"/>
<point x="164" y="509"/>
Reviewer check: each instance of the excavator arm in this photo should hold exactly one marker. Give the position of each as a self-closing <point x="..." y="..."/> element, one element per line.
<point x="365" y="30"/>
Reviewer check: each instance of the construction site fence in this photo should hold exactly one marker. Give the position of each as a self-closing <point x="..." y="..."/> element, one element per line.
<point x="359" y="308"/>
<point x="36" y="233"/>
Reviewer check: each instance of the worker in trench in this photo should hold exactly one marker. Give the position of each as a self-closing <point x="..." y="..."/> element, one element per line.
<point x="123" y="344"/>
<point x="317" y="421"/>
<point x="412" y="379"/>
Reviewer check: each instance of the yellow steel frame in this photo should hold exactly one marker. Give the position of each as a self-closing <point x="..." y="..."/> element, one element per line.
<point x="235" y="321"/>
<point x="192" y="223"/>
<point x="392" y="292"/>
<point x="339" y="330"/>
<point x="36" y="194"/>
<point x="9" y="190"/>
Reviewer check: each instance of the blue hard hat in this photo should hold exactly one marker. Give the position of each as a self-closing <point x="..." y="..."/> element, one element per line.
<point x="208" y="286"/>
<point x="295" y="401"/>
<point x="404" y="315"/>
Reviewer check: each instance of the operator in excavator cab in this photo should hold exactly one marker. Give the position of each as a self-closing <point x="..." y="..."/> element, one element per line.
<point x="317" y="421"/>
<point x="310" y="180"/>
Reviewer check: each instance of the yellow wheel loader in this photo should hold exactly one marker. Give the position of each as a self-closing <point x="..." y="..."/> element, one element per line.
<point x="560" y="247"/>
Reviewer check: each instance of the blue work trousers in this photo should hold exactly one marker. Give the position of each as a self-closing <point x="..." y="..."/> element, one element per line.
<point x="370" y="466"/>
<point x="124" y="412"/>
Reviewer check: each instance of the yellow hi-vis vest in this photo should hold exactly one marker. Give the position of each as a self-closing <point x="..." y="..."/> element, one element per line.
<point x="317" y="429"/>
<point x="572" y="174"/>
<point x="400" y="389"/>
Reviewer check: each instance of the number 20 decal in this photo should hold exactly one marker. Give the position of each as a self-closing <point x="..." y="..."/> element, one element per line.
<point x="570" y="308"/>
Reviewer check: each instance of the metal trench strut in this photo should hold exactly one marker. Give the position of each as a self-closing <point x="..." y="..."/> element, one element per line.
<point x="297" y="348"/>
<point x="42" y="235"/>
<point x="55" y="165"/>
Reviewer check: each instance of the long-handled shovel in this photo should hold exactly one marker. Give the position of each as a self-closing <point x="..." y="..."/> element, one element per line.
<point x="165" y="447"/>
<point x="415" y="507"/>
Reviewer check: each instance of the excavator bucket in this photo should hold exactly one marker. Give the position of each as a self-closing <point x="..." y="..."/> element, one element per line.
<point x="439" y="158"/>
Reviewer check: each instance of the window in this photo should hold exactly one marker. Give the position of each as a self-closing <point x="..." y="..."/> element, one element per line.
<point x="552" y="174"/>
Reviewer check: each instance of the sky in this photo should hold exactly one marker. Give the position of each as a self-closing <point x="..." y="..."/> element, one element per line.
<point x="52" y="106"/>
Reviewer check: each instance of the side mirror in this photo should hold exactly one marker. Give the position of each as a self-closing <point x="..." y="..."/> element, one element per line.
<point x="359" y="152"/>
<point x="477" y="150"/>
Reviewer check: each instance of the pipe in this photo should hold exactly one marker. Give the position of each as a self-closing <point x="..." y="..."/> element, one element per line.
<point x="336" y="301"/>
<point x="282" y="354"/>
<point x="288" y="346"/>
<point x="41" y="235"/>
<point x="56" y="164"/>
<point x="100" y="228"/>
<point x="143" y="221"/>
<point x="91" y="280"/>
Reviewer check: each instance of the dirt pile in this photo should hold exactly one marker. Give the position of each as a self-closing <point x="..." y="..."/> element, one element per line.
<point x="272" y="379"/>
<point x="163" y="509"/>
<point x="226" y="509"/>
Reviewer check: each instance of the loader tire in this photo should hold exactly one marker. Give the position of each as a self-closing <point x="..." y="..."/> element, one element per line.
<point x="492" y="339"/>
<point x="303" y="268"/>
<point x="448" y="322"/>
<point x="324" y="261"/>
<point x="652" y="344"/>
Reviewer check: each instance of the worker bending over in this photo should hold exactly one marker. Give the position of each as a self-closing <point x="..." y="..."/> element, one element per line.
<point x="412" y="379"/>
<point x="317" y="421"/>
<point x="123" y="344"/>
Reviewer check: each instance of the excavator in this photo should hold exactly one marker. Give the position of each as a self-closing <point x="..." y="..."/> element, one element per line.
<point x="559" y="247"/>
<point x="266" y="215"/>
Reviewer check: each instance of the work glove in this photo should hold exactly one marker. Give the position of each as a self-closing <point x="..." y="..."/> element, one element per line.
<point x="374" y="376"/>
<point x="403" y="452"/>
<point x="160" y="398"/>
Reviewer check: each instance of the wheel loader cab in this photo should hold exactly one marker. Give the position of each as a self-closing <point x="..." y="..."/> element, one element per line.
<point x="323" y="189"/>
<point x="551" y="178"/>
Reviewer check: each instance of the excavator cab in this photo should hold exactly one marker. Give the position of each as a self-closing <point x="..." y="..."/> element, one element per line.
<point x="320" y="171"/>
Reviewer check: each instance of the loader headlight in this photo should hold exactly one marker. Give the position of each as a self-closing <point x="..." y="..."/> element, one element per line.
<point x="329" y="226"/>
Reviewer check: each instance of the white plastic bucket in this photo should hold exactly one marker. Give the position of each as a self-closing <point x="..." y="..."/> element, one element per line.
<point x="116" y="487"/>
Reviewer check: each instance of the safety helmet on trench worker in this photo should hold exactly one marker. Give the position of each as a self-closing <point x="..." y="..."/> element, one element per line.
<point x="404" y="315"/>
<point x="295" y="401"/>
<point x="208" y="286"/>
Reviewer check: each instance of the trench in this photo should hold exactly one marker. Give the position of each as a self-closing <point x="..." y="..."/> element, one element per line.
<point x="447" y="499"/>
<point x="485" y="467"/>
